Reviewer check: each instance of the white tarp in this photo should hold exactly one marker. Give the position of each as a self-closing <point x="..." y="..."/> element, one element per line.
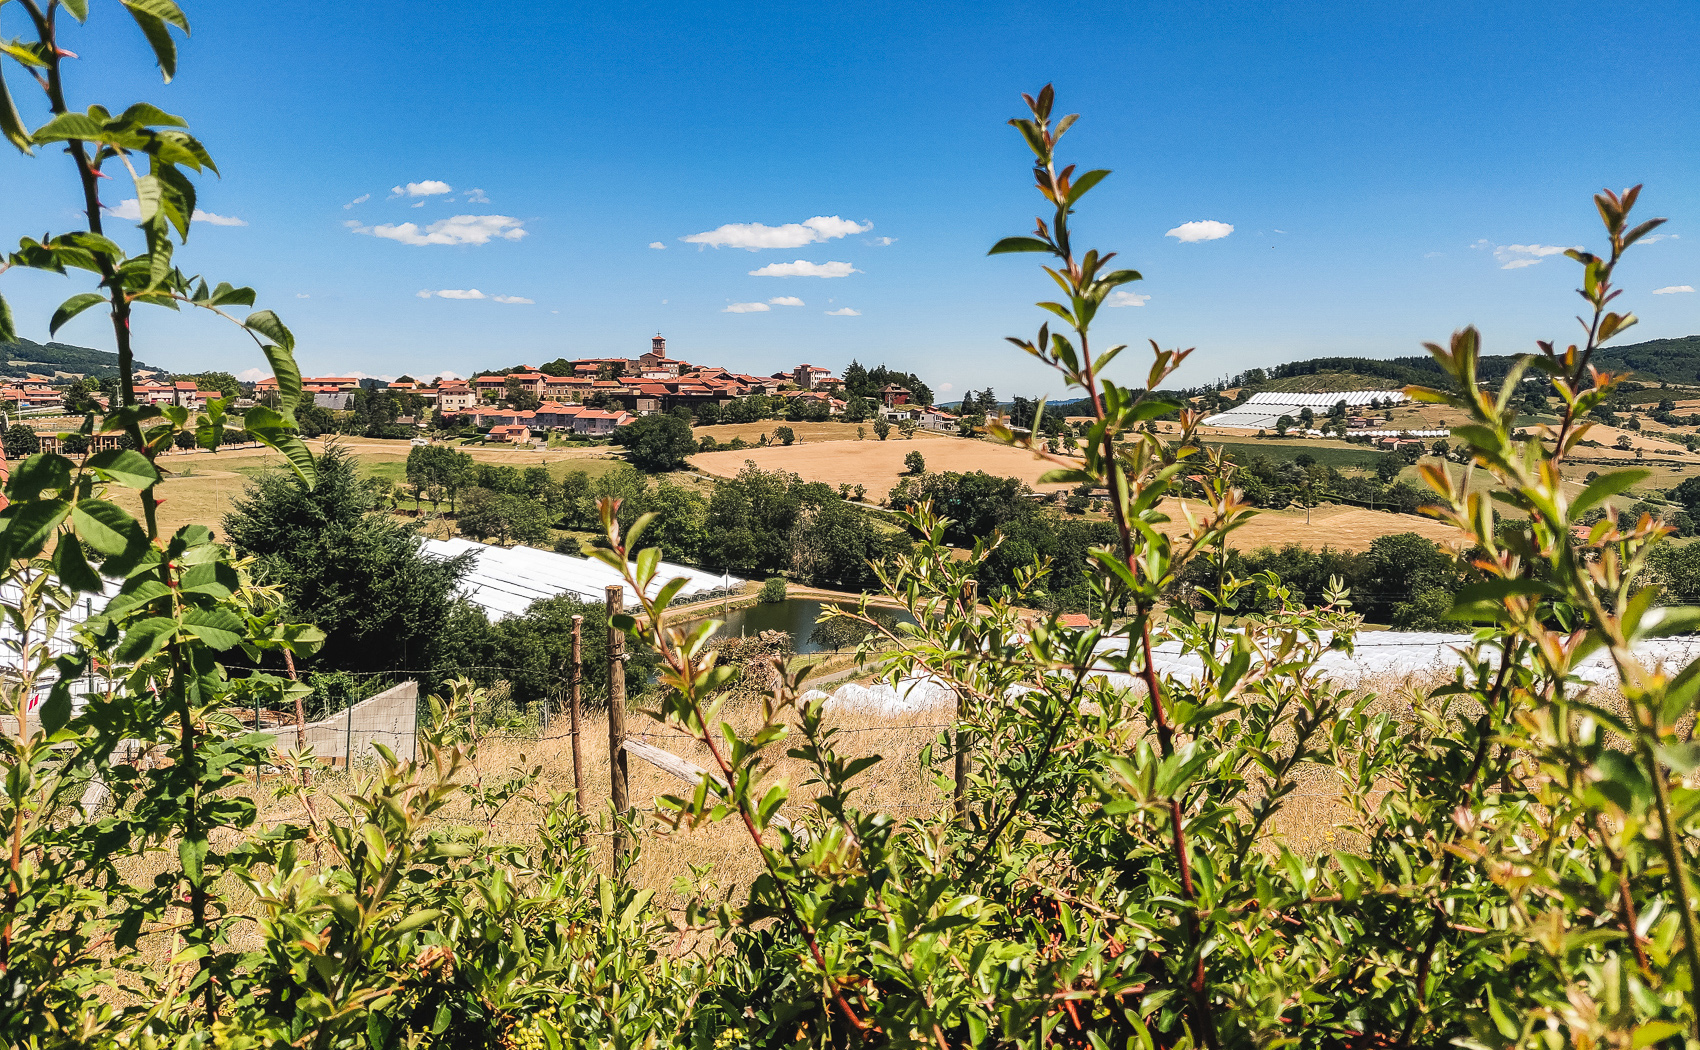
<point x="1377" y="654"/>
<point x="1266" y="409"/>
<point x="504" y="581"/>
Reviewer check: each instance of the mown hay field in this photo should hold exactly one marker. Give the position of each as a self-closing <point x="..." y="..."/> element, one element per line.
<point x="879" y="464"/>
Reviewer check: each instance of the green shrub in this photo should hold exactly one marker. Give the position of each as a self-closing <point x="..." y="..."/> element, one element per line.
<point x="773" y="590"/>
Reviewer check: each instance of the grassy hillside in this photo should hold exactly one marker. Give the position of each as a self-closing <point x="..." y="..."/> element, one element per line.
<point x="1656" y="360"/>
<point x="1328" y="382"/>
<point x="26" y="356"/>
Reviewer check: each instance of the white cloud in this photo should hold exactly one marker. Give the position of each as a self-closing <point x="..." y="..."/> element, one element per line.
<point x="945" y="388"/>
<point x="1433" y="255"/>
<point x="453" y="293"/>
<point x="1672" y="289"/>
<point x="302" y="295"/>
<point x="1123" y="297"/>
<point x="418" y="204"/>
<point x="132" y="209"/>
<point x="747" y="308"/>
<point x="785" y="300"/>
<point x="882" y="242"/>
<point x="428" y="188"/>
<point x="252" y="375"/>
<point x="1200" y="230"/>
<point x="476" y="196"/>
<point x="1517" y="256"/>
<point x="844" y="311"/>
<point x="658" y="246"/>
<point x="362" y="199"/>
<point x="1654" y="238"/>
<point x="457" y="229"/>
<point x="801" y="268"/>
<point x="755" y="236"/>
<point x="514" y="299"/>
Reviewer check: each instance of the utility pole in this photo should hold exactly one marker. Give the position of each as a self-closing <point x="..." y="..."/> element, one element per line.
<point x="617" y="770"/>
<point x="577" y="677"/>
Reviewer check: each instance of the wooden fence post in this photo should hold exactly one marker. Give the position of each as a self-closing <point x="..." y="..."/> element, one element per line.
<point x="962" y="741"/>
<point x="617" y="768"/>
<point x="576" y="678"/>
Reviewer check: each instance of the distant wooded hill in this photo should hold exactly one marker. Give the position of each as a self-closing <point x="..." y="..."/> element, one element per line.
<point x="26" y="356"/>
<point x="1654" y="361"/>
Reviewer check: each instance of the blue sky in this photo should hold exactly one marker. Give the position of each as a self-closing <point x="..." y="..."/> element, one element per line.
<point x="1390" y="171"/>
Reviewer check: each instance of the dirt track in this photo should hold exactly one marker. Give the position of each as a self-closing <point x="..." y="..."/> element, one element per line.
<point x="879" y="464"/>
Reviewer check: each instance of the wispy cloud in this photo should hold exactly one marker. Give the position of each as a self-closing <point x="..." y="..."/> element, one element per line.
<point x="253" y="375"/>
<point x="754" y="236"/>
<point x="1517" y="256"/>
<point x="1200" y="230"/>
<point x="746" y="308"/>
<point x="945" y="388"/>
<point x="362" y="199"/>
<point x="844" y="311"/>
<point x="800" y="268"/>
<point x="132" y="209"/>
<point x="476" y="196"/>
<point x="514" y="300"/>
<point x="302" y="295"/>
<point x="428" y="188"/>
<point x="457" y="229"/>
<point x="881" y="242"/>
<point x="1654" y="238"/>
<point x="451" y="293"/>
<point x="785" y="300"/>
<point x="1433" y="255"/>
<point x="1673" y="289"/>
<point x="658" y="246"/>
<point x="1123" y="297"/>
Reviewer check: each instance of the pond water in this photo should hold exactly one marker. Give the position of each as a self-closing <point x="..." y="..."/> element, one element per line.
<point x="795" y="616"/>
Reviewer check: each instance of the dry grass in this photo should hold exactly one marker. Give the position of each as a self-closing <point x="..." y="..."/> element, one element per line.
<point x="879" y="464"/>
<point x="199" y="486"/>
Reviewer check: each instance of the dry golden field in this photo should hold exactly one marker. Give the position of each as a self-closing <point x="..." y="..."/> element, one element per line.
<point x="199" y="486"/>
<point x="879" y="464"/>
<point x="1331" y="525"/>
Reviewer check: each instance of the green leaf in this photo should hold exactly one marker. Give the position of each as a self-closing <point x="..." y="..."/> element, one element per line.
<point x="1605" y="487"/>
<point x="416" y="920"/>
<point x="67" y="126"/>
<point x="72" y="567"/>
<point x="159" y="37"/>
<point x="209" y="431"/>
<point x="71" y="308"/>
<point x="1019" y="244"/>
<point x="219" y="628"/>
<point x="79" y="9"/>
<point x="164" y="10"/>
<point x="8" y="331"/>
<point x="1649" y="1032"/>
<point x="125" y="466"/>
<point x="1668" y="620"/>
<point x="37" y="473"/>
<point x="12" y="125"/>
<point x="31" y="524"/>
<point x="104" y="526"/>
<point x="144" y="639"/>
<point x="267" y="324"/>
<point x="153" y="116"/>
<point x="193" y="854"/>
<point x="1086" y="181"/>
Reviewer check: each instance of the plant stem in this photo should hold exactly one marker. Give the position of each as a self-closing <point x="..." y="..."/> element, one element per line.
<point x="1670" y="840"/>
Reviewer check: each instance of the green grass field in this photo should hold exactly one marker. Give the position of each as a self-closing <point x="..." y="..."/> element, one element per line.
<point x="1329" y="454"/>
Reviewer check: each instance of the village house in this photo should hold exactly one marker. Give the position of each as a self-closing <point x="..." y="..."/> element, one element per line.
<point x="513" y="433"/>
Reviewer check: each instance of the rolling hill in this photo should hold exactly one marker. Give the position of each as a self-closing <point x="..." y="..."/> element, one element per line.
<point x="1654" y="361"/>
<point x="26" y="356"/>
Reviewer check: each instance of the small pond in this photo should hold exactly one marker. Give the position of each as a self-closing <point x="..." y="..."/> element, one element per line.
<point x="795" y="616"/>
